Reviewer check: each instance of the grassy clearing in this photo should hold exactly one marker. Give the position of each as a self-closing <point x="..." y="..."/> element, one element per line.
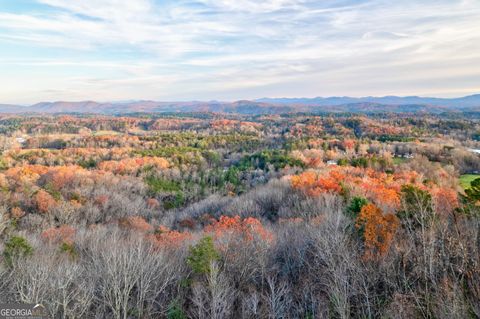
<point x="466" y="179"/>
<point x="399" y="160"/>
<point x="103" y="133"/>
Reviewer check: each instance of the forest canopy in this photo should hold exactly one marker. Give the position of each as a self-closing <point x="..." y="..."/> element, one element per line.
<point x="206" y="215"/>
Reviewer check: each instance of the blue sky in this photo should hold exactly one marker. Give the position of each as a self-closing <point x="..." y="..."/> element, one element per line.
<point x="108" y="50"/>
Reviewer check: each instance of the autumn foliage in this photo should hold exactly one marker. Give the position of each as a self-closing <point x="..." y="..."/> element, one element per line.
<point x="314" y="184"/>
<point x="214" y="215"/>
<point x="131" y="165"/>
<point x="445" y="200"/>
<point x="378" y="230"/>
<point x="380" y="188"/>
<point x="44" y="201"/>
<point x="136" y="223"/>
<point x="167" y="238"/>
<point x="248" y="228"/>
<point x="63" y="234"/>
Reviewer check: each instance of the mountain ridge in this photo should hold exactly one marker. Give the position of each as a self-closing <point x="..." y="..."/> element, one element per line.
<point x="395" y="104"/>
<point x="459" y="102"/>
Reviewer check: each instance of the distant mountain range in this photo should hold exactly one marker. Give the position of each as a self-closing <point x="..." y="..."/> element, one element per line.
<point x="461" y="102"/>
<point x="395" y="104"/>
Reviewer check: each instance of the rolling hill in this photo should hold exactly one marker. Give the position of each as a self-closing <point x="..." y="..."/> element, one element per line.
<point x="394" y="104"/>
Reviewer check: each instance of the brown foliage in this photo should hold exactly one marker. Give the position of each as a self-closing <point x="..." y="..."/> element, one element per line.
<point x="249" y="228"/>
<point x="44" y="201"/>
<point x="136" y="223"/>
<point x="62" y="234"/>
<point x="378" y="230"/>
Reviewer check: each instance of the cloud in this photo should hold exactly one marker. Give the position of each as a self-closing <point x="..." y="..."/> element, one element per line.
<point x="188" y="49"/>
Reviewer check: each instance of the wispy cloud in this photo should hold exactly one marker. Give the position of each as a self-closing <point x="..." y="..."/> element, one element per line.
<point x="231" y="49"/>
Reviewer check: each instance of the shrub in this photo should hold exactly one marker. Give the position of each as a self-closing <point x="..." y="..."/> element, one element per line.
<point x="417" y="203"/>
<point x="202" y="255"/>
<point x="69" y="249"/>
<point x="16" y="247"/>
<point x="158" y="185"/>
<point x="473" y="193"/>
<point x="44" y="201"/>
<point x="356" y="206"/>
<point x="175" y="311"/>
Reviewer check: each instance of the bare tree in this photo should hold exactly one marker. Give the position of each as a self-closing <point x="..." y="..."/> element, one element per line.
<point x="4" y="220"/>
<point x="55" y="281"/>
<point x="131" y="275"/>
<point x="277" y="298"/>
<point x="251" y="305"/>
<point x="73" y="289"/>
<point x="335" y="263"/>
<point x="157" y="272"/>
<point x="116" y="265"/>
<point x="214" y="297"/>
<point x="30" y="279"/>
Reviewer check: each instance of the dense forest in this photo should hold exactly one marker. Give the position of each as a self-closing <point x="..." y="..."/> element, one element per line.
<point x="205" y="215"/>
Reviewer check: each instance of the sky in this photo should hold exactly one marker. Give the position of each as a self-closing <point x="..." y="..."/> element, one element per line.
<point x="113" y="50"/>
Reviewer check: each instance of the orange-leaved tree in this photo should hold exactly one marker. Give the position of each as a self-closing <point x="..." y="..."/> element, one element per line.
<point x="378" y="230"/>
<point x="63" y="234"/>
<point x="314" y="184"/>
<point x="248" y="228"/>
<point x="167" y="238"/>
<point x="44" y="201"/>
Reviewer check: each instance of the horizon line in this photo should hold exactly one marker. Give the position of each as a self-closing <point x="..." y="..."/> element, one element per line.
<point x="126" y="101"/>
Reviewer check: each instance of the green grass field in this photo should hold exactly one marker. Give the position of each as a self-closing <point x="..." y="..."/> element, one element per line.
<point x="399" y="160"/>
<point x="466" y="179"/>
<point x="102" y="133"/>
